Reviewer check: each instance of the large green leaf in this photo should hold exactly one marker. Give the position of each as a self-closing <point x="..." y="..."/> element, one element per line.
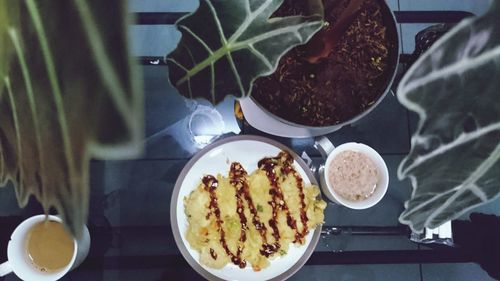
<point x="68" y="92"/>
<point x="454" y="88"/>
<point x="227" y="44"/>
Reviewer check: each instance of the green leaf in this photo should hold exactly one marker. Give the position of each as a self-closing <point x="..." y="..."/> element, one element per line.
<point x="227" y="44"/>
<point x="68" y="93"/>
<point x="454" y="159"/>
<point x="316" y="7"/>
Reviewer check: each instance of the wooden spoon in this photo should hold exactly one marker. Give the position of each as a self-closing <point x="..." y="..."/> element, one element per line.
<point x="323" y="43"/>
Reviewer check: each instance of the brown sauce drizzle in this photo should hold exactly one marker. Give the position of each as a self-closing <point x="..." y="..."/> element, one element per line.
<point x="287" y="169"/>
<point x="267" y="165"/>
<point x="237" y="175"/>
<point x="278" y="201"/>
<point x="211" y="185"/>
<point x="213" y="254"/>
<point x="238" y="179"/>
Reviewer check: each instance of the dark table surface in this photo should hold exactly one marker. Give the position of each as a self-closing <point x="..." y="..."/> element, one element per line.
<point x="129" y="217"/>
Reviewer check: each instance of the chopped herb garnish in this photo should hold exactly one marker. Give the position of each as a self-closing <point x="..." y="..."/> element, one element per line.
<point x="282" y="252"/>
<point x="259" y="208"/>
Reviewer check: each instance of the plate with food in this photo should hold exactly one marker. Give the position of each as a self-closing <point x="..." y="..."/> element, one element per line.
<point x="246" y="208"/>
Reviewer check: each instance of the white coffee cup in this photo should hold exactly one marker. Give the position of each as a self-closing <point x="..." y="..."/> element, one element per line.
<point x="19" y="261"/>
<point x="329" y="152"/>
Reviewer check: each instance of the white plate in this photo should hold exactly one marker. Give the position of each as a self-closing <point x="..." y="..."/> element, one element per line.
<point x="214" y="159"/>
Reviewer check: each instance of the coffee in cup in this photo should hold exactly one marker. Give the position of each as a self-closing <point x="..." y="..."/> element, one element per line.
<point x="40" y="249"/>
<point x="49" y="246"/>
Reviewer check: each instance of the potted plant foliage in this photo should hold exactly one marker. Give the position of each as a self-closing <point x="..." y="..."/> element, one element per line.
<point x="68" y="93"/>
<point x="454" y="161"/>
<point x="245" y="48"/>
<point x="226" y="45"/>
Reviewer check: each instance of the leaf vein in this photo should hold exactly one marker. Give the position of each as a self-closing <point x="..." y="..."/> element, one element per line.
<point x="56" y="90"/>
<point x="272" y="33"/>
<point x="178" y="64"/>
<point x="212" y="84"/>
<point x="236" y="74"/>
<point x="217" y="22"/>
<point x="458" y="67"/>
<point x="462" y="139"/>
<point x="248" y="20"/>
<point x="471" y="180"/>
<point x="31" y="98"/>
<point x="260" y="56"/>
<point x="190" y="54"/>
<point x="478" y="192"/>
<point x="102" y="60"/>
<point x="15" y="118"/>
<point x="195" y="36"/>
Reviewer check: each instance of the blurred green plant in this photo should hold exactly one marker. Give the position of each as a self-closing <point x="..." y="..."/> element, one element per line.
<point x="68" y="93"/>
<point x="454" y="162"/>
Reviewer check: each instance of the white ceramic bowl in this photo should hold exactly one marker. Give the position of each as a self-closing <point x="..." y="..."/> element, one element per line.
<point x="382" y="184"/>
<point x="19" y="262"/>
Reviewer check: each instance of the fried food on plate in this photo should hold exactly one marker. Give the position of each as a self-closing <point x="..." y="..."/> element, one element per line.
<point x="249" y="219"/>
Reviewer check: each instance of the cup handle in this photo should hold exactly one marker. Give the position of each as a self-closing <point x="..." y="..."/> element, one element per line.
<point x="5" y="269"/>
<point x="324" y="146"/>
